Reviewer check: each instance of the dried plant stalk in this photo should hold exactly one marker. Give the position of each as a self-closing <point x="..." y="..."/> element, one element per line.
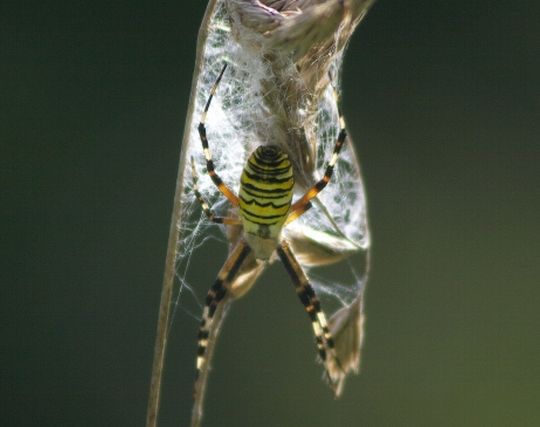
<point x="285" y="58"/>
<point x="162" y="332"/>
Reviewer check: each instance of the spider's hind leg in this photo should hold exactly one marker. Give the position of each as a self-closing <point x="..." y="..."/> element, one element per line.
<point x="204" y="205"/>
<point x="304" y="203"/>
<point x="225" y="190"/>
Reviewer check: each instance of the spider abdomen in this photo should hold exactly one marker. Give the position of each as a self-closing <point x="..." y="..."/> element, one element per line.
<point x="266" y="192"/>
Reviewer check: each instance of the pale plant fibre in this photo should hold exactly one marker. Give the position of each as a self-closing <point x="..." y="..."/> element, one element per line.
<point x="284" y="59"/>
<point x="276" y="90"/>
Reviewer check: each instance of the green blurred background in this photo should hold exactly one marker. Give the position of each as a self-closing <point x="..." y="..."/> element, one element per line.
<point x="442" y="99"/>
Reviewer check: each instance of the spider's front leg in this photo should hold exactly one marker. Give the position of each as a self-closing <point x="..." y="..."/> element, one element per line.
<point x="306" y="293"/>
<point x="215" y="296"/>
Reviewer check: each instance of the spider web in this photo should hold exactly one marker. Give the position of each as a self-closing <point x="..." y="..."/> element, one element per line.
<point x="238" y="121"/>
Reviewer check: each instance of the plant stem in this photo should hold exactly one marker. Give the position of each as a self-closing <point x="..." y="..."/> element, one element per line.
<point x="162" y="332"/>
<point x="199" y="390"/>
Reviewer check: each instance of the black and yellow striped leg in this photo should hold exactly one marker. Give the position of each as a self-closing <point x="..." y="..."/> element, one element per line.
<point x="226" y="191"/>
<point x="303" y="204"/>
<point x="206" y="209"/>
<point x="323" y="337"/>
<point x="215" y="295"/>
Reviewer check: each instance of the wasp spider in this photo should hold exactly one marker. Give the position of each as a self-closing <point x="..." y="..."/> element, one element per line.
<point x="265" y="207"/>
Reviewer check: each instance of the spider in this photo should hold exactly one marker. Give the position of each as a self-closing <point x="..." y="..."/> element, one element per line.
<point x="265" y="208"/>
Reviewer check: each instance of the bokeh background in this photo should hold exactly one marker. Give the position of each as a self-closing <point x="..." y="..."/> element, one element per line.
<point x="442" y="99"/>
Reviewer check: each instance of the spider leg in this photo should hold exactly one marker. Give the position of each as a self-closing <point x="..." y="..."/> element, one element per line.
<point x="215" y="295"/>
<point x="303" y="204"/>
<point x="226" y="191"/>
<point x="323" y="337"/>
<point x="206" y="209"/>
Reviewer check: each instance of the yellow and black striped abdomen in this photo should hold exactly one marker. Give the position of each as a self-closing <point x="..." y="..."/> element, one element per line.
<point x="266" y="192"/>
